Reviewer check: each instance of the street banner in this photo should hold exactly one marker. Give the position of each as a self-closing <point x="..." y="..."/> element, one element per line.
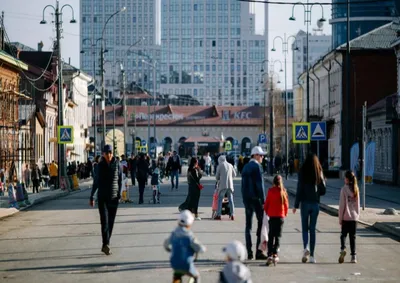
<point x="369" y="162"/>
<point x="354" y="156"/>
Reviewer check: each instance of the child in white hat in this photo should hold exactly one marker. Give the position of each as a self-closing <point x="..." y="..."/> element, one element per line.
<point x="184" y="247"/>
<point x="235" y="271"/>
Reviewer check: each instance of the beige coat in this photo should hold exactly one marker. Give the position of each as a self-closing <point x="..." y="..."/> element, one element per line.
<point x="225" y="174"/>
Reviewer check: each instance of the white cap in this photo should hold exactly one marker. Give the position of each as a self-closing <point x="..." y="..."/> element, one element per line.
<point x="235" y="251"/>
<point x="186" y="218"/>
<point x="257" y="150"/>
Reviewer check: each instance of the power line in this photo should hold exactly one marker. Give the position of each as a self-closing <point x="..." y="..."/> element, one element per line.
<point x="314" y="3"/>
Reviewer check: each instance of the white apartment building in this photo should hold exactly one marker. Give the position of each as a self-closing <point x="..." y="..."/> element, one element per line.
<point x="76" y="112"/>
<point x="210" y="50"/>
<point x="130" y="36"/>
<point x="319" y="45"/>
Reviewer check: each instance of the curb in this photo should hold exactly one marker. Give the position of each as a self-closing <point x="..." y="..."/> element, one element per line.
<point x="380" y="226"/>
<point x="13" y="210"/>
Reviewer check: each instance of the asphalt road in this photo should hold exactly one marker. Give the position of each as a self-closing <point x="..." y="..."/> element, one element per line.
<point x="59" y="241"/>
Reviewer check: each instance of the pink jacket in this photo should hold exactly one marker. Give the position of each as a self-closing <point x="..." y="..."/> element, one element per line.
<point x="349" y="206"/>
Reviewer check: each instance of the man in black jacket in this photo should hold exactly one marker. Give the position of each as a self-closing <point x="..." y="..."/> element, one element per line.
<point x="175" y="167"/>
<point x="108" y="183"/>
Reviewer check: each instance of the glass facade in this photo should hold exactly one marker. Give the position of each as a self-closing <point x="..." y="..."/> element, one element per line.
<point x="366" y="17"/>
<point x="123" y="40"/>
<point x="206" y="52"/>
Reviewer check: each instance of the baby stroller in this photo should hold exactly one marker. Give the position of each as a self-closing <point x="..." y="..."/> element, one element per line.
<point x="225" y="203"/>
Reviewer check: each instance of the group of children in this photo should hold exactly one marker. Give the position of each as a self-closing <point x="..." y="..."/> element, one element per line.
<point x="184" y="246"/>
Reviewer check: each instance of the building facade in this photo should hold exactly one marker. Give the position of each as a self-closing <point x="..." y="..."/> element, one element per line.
<point x="210" y="50"/>
<point x="77" y="113"/>
<point x="328" y="91"/>
<point x="319" y="45"/>
<point x="364" y="17"/>
<point x="129" y="37"/>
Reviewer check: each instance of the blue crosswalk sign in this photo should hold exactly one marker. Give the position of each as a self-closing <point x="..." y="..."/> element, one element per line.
<point x="65" y="134"/>
<point x="301" y="132"/>
<point x="262" y="138"/>
<point x="143" y="143"/>
<point x="318" y="131"/>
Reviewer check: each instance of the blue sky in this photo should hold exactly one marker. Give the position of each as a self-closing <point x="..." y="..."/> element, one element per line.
<point x="22" y="19"/>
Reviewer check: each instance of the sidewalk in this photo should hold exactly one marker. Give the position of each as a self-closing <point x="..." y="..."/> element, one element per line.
<point x="378" y="198"/>
<point x="42" y="196"/>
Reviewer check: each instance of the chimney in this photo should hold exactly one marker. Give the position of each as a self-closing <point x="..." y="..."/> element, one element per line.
<point x="69" y="60"/>
<point x="40" y="46"/>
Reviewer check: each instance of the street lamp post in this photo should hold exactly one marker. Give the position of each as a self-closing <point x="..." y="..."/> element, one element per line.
<point x="154" y="67"/>
<point x="58" y="23"/>
<point x="307" y="21"/>
<point x="93" y="46"/>
<point x="103" y="96"/>
<point x="285" y="52"/>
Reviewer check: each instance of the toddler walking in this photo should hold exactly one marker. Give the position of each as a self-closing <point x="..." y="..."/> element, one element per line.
<point x="184" y="248"/>
<point x="349" y="213"/>
<point x="234" y="270"/>
<point x="276" y="206"/>
<point x="155" y="181"/>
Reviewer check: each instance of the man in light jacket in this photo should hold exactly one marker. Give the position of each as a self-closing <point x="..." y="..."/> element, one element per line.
<point x="224" y="175"/>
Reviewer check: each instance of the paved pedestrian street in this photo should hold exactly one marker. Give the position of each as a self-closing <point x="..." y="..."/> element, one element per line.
<point x="60" y="241"/>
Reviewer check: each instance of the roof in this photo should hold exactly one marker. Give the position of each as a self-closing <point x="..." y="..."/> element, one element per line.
<point x="5" y="57"/>
<point x="380" y="106"/>
<point x="251" y="116"/>
<point x="379" y="38"/>
<point x="22" y="47"/>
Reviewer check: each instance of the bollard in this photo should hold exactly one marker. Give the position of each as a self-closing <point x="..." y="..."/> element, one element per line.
<point x="26" y="195"/>
<point x="20" y="195"/>
<point x="75" y="182"/>
<point x="11" y="197"/>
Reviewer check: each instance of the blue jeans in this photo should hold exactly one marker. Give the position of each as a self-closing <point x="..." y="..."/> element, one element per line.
<point x="251" y="207"/>
<point x="309" y="215"/>
<point x="175" y="174"/>
<point x="208" y="171"/>
<point x="221" y="195"/>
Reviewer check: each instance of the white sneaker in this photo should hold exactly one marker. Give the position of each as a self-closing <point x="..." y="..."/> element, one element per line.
<point x="312" y="260"/>
<point x="197" y="218"/>
<point x="306" y="254"/>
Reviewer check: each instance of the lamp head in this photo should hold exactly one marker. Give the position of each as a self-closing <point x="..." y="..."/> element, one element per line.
<point x="281" y="70"/>
<point x="262" y="70"/>
<point x="296" y="48"/>
<point x="43" y="22"/>
<point x="123" y="9"/>
<point x="292" y="18"/>
<point x="279" y="82"/>
<point x="82" y="51"/>
<point x="322" y="19"/>
<point x="73" y="21"/>
<point x="273" y="49"/>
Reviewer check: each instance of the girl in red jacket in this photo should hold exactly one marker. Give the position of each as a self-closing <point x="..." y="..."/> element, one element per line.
<point x="276" y="207"/>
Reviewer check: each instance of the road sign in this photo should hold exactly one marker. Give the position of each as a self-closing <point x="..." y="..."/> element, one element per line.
<point x="262" y="138"/>
<point x="143" y="149"/>
<point x="65" y="134"/>
<point x="318" y="131"/>
<point x="228" y="146"/>
<point x="235" y="144"/>
<point x="301" y="132"/>
<point x="143" y="143"/>
<point x="137" y="144"/>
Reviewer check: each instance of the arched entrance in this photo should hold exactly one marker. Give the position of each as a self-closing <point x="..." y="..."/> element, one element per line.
<point x="246" y="146"/>
<point x="167" y="144"/>
<point x="181" y="146"/>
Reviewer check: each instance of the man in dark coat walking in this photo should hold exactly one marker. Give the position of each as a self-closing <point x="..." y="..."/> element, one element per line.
<point x="108" y="182"/>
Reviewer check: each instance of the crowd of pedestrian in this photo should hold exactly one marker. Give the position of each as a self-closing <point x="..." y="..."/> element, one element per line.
<point x="270" y="209"/>
<point x="37" y="178"/>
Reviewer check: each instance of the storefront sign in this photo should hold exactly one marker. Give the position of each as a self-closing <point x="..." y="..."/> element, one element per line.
<point x="226" y="115"/>
<point x="159" y="117"/>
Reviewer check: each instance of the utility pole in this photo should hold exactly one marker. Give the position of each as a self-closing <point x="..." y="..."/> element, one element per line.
<point x="271" y="129"/>
<point x="103" y="96"/>
<point x="125" y="110"/>
<point x="58" y="22"/>
<point x="154" y="109"/>
<point x="364" y="141"/>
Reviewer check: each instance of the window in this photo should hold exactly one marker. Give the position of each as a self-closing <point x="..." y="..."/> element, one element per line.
<point x="134" y="19"/>
<point x="195" y="7"/>
<point x="214" y="43"/>
<point x="238" y="43"/>
<point x="95" y="19"/>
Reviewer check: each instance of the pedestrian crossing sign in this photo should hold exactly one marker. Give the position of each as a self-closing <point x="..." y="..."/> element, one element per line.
<point x="65" y="134"/>
<point x="301" y="132"/>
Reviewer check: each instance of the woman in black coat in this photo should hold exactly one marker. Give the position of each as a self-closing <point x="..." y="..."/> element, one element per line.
<point x="142" y="175"/>
<point x="194" y="175"/>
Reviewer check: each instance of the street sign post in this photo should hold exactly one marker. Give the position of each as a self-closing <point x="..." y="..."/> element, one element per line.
<point x="65" y="134"/>
<point x="301" y="132"/>
<point x="318" y="131"/>
<point x="262" y="138"/>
